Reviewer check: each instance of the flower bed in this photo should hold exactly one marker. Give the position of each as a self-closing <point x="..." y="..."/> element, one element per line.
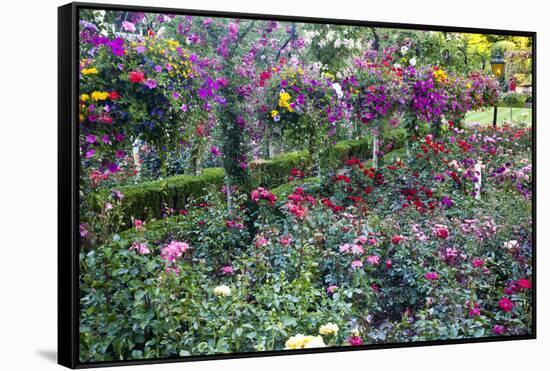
<point x="406" y="253"/>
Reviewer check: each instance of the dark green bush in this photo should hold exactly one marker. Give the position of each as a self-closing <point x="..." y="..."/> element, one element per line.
<point x="145" y="200"/>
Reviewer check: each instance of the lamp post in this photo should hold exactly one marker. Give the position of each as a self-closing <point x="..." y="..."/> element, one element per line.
<point x="497" y="66"/>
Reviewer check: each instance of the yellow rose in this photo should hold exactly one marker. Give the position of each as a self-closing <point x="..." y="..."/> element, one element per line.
<point x="329" y="329"/>
<point x="300" y="341"/>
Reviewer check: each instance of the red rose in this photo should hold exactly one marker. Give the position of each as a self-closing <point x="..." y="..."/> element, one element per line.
<point x="114" y="95"/>
<point x="136" y="76"/>
<point x="396" y="239"/>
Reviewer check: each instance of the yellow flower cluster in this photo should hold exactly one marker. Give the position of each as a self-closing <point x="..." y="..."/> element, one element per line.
<point x="328" y="75"/>
<point x="84" y="97"/>
<point x="166" y="50"/>
<point x="284" y="101"/>
<point x="329" y="329"/>
<point x="300" y="341"/>
<point x="439" y="75"/>
<point x="89" y="71"/>
<point x="274" y="113"/>
<point x="100" y="95"/>
<point x="289" y="73"/>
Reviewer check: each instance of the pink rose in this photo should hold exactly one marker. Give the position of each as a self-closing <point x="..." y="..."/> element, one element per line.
<point x="506" y="304"/>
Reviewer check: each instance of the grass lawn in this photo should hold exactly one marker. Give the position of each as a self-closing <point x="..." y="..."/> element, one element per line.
<point x="503" y="114"/>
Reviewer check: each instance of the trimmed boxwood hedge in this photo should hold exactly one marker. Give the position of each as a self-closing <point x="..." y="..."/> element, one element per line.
<point x="145" y="200"/>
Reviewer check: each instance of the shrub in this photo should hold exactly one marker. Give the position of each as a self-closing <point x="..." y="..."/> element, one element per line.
<point x="146" y="200"/>
<point x="273" y="172"/>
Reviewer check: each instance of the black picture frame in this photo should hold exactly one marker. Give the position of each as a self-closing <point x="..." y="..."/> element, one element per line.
<point x="68" y="170"/>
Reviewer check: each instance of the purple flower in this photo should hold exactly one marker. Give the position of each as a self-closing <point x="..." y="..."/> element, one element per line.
<point x="215" y="151"/>
<point x="120" y="154"/>
<point x="141" y="49"/>
<point x="83" y="228"/>
<point x="113" y="168"/>
<point x="117" y="46"/>
<point x="90" y="138"/>
<point x="105" y="139"/>
<point x="151" y="84"/>
<point x="90" y="153"/>
<point x="446" y="201"/>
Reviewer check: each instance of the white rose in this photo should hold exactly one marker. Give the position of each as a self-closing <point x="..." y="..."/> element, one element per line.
<point x="404" y="49"/>
<point x="222" y="290"/>
<point x="412" y="61"/>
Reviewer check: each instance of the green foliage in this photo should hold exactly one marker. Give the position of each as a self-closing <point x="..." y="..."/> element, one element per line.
<point x="285" y="189"/>
<point x="147" y="199"/>
<point x="275" y="171"/>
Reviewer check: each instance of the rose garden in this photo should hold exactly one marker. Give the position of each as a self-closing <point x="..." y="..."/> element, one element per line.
<point x="252" y="185"/>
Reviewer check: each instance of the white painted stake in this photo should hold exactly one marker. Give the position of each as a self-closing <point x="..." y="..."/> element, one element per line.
<point x="478" y="183"/>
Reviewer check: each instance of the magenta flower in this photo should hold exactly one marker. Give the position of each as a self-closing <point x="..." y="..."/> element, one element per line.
<point x="432" y="276"/>
<point x="227" y="270"/>
<point x="506" y="304"/>
<point x="478" y="263"/>
<point x="355" y="341"/>
<point x="499" y="329"/>
<point x="117" y="47"/>
<point x="90" y="138"/>
<point x="356" y="264"/>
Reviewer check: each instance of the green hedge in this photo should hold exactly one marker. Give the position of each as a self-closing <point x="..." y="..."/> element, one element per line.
<point x="275" y="171"/>
<point x="145" y="200"/>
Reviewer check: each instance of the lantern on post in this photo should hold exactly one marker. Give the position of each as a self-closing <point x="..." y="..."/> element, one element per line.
<point x="497" y="66"/>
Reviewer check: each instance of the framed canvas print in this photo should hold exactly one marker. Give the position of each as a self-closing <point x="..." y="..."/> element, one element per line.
<point x="236" y="185"/>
